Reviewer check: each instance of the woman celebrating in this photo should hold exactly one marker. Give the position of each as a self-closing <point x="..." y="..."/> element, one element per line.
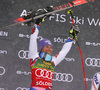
<point x="42" y="63"/>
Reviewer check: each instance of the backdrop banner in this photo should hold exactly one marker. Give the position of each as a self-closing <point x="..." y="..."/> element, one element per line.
<point x="15" y="73"/>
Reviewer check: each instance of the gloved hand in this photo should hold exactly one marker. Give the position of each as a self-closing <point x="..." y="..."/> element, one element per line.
<point x="31" y="14"/>
<point x="43" y="11"/>
<point x="74" y="31"/>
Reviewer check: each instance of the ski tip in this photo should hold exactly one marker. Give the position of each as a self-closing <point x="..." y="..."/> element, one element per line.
<point x="79" y="2"/>
<point x="19" y="20"/>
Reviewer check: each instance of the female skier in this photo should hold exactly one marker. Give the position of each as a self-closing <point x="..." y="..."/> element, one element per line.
<point x="96" y="82"/>
<point x="42" y="64"/>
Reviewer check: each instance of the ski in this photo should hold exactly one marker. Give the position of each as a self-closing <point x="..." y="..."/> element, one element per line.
<point x="56" y="9"/>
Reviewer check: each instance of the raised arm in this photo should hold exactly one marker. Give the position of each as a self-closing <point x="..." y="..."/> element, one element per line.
<point x="66" y="47"/>
<point x="33" y="51"/>
<point x="64" y="51"/>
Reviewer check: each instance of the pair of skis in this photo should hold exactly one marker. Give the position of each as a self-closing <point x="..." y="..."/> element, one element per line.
<point x="56" y="9"/>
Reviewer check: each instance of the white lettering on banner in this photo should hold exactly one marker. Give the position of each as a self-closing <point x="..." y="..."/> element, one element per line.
<point x="24" y="13"/>
<point x="94" y="62"/>
<point x="63" y="77"/>
<point x="61" y="40"/>
<point x="62" y="18"/>
<point x="28" y="36"/>
<point x="24" y="36"/>
<point x="92" y="44"/>
<point x="3" y="52"/>
<point x="24" y="88"/>
<point x="59" y="18"/>
<point x="2" y="70"/>
<point x="2" y="33"/>
<point x="93" y="22"/>
<point x="2" y="89"/>
<point x="43" y="83"/>
<point x="23" y="54"/>
<point x="77" y="20"/>
<point x="69" y="59"/>
<point x="24" y="72"/>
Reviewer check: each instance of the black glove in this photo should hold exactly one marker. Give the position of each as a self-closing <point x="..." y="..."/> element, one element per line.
<point x="74" y="31"/>
<point x="43" y="11"/>
<point x="31" y="14"/>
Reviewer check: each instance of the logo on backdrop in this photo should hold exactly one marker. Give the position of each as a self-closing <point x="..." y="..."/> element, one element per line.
<point x="94" y="62"/>
<point x="69" y="59"/>
<point x="64" y="77"/>
<point x="60" y="40"/>
<point x="23" y="54"/>
<point x="2" y="33"/>
<point x="2" y="70"/>
<point x="3" y="52"/>
<point x="28" y="36"/>
<point x="92" y="44"/>
<point x="24" y="88"/>
<point x="23" y="73"/>
<point x="24" y="36"/>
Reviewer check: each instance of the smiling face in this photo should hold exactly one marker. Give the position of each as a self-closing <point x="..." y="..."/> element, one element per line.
<point x="48" y="49"/>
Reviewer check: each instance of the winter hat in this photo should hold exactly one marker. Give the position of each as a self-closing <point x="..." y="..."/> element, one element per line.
<point x="43" y="43"/>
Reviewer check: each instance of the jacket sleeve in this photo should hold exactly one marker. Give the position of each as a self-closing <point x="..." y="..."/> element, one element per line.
<point x="33" y="51"/>
<point x="61" y="55"/>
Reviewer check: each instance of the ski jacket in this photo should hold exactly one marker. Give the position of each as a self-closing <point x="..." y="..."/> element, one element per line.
<point x="43" y="71"/>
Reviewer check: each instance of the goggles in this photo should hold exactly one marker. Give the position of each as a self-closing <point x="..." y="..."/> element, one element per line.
<point x="45" y="56"/>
